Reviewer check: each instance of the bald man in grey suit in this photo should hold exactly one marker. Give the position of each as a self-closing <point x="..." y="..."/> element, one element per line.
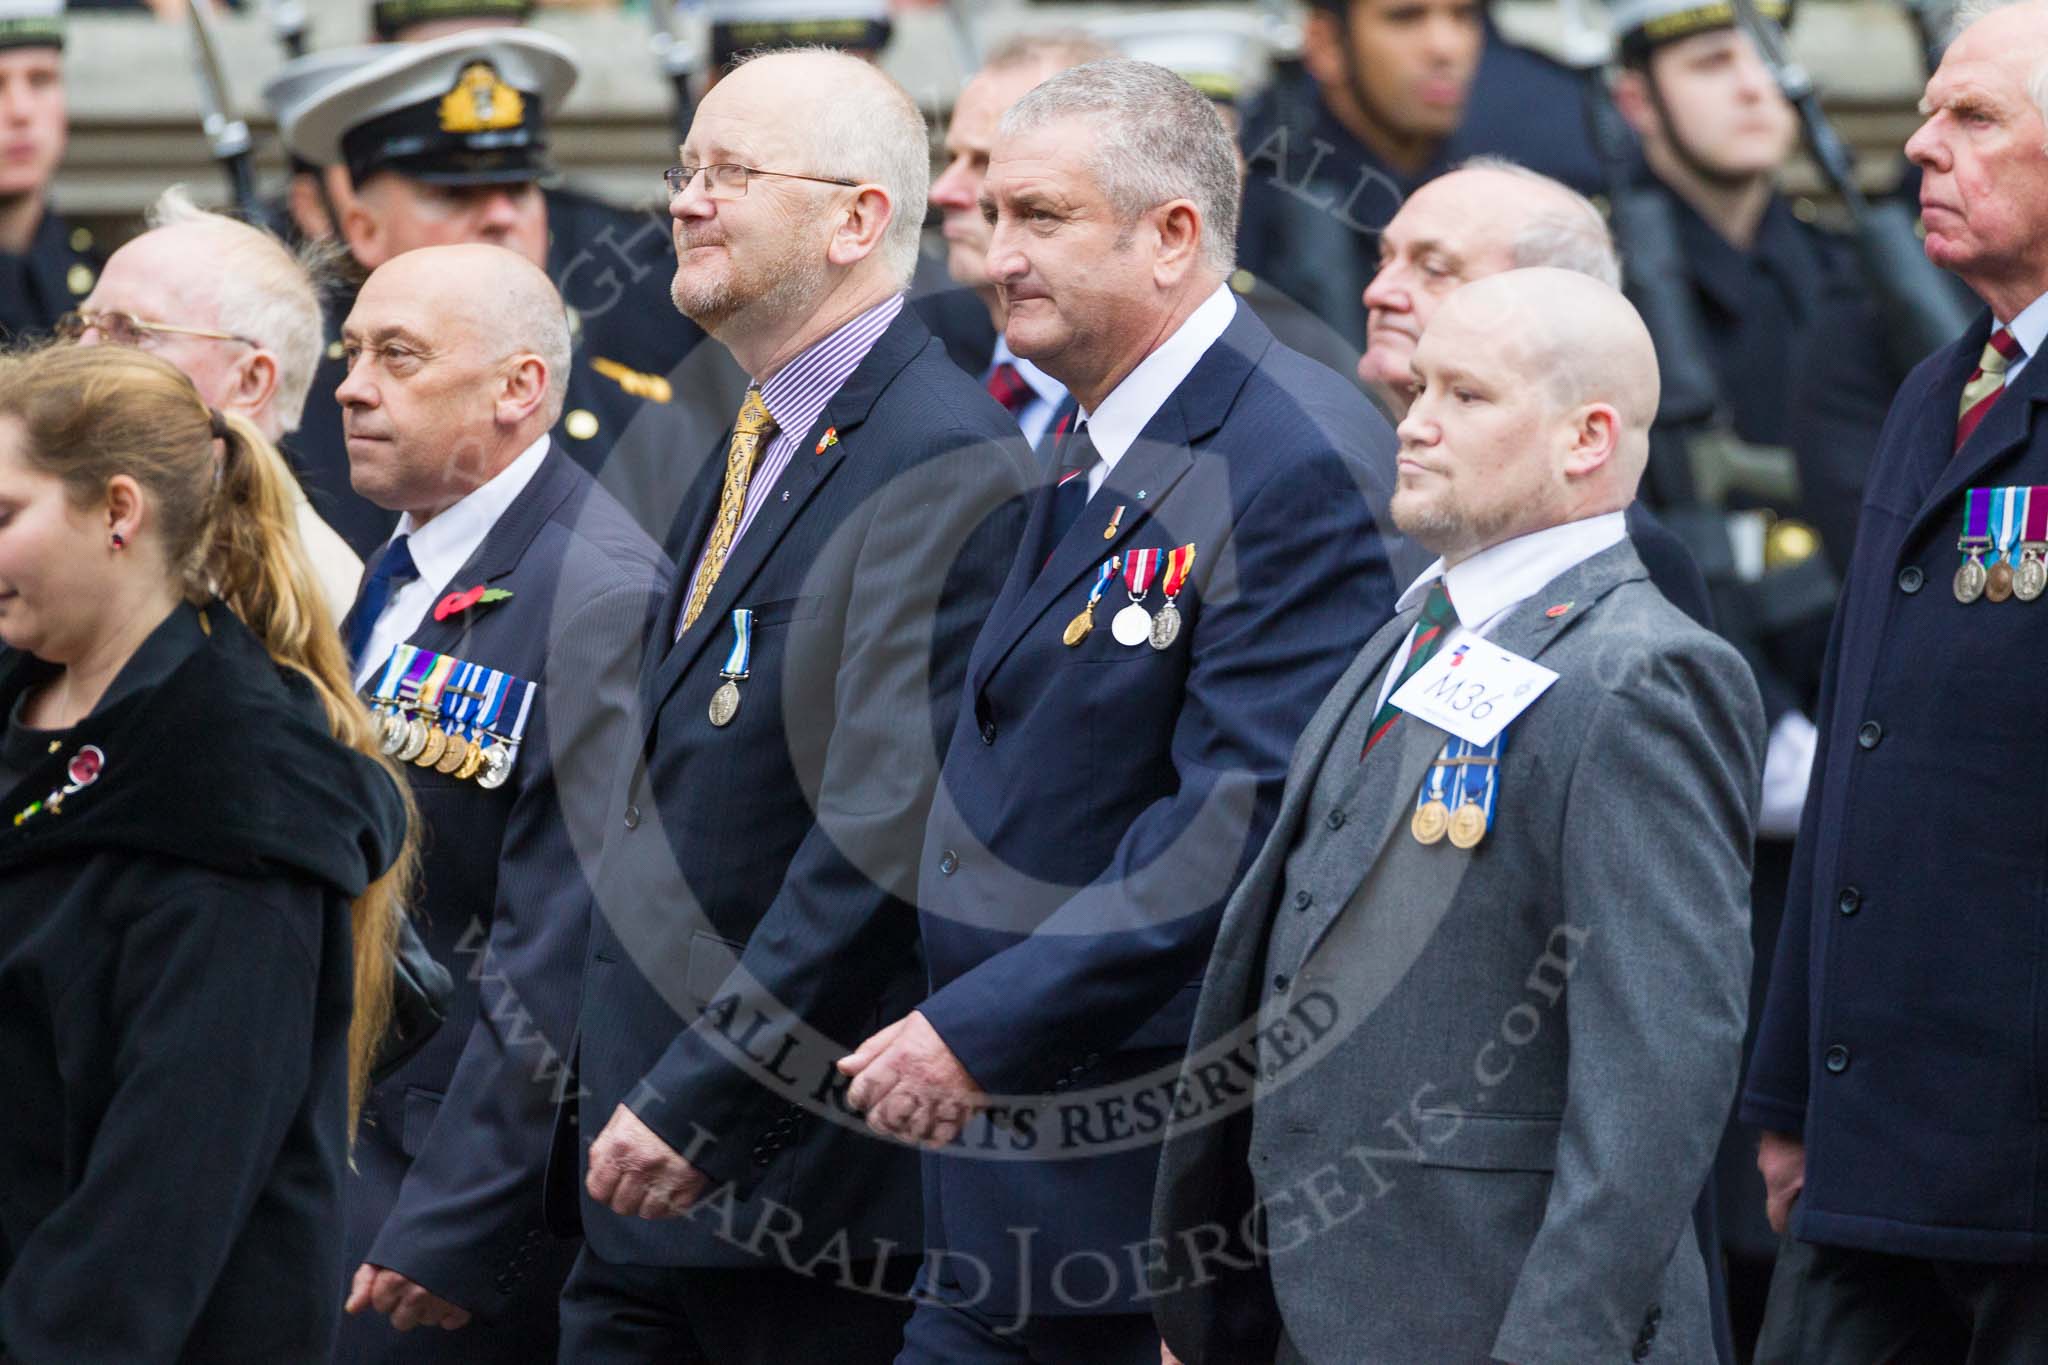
<point x="1455" y="1082"/>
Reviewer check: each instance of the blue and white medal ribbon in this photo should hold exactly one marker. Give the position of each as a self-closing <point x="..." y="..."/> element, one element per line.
<point x="1432" y="812"/>
<point x="725" y="702"/>
<point x="1078" y="628"/>
<point x="1478" y="784"/>
<point x="386" y="700"/>
<point x="498" y="757"/>
<point x="2008" y="516"/>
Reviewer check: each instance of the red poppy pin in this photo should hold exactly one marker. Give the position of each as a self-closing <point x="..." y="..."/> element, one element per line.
<point x="456" y="603"/>
<point x="830" y="439"/>
<point x="1559" y="610"/>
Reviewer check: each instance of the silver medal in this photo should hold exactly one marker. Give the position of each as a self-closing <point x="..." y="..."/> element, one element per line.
<point x="497" y="765"/>
<point x="1132" y="625"/>
<point x="725" y="703"/>
<point x="1166" y="627"/>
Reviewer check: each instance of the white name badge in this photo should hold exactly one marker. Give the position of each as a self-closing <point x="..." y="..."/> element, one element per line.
<point x="1473" y="690"/>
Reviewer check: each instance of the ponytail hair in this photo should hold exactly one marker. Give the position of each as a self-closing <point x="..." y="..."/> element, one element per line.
<point x="223" y="502"/>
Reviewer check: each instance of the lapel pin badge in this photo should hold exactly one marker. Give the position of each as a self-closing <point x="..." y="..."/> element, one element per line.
<point x="1559" y="610"/>
<point x="830" y="439"/>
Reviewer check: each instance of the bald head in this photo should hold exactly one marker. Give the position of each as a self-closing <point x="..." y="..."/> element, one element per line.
<point x="1535" y="391"/>
<point x="458" y="361"/>
<point x="1487" y="216"/>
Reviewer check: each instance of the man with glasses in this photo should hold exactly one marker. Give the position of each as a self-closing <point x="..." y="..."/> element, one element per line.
<point x="446" y="142"/>
<point x="838" y="551"/>
<point x="233" y="308"/>
<point x="46" y="265"/>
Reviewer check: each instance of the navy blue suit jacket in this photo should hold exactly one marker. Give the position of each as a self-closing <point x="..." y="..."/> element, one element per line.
<point x="455" y="1144"/>
<point x="1906" y="1029"/>
<point x="1100" y="801"/>
<point x="754" y="918"/>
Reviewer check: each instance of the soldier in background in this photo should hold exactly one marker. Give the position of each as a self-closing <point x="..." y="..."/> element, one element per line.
<point x="445" y="142"/>
<point x="46" y="266"/>
<point x="1715" y="132"/>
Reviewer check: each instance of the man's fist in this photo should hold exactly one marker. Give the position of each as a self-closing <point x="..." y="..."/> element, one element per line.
<point x="632" y="1171"/>
<point x="910" y="1085"/>
<point x="407" y="1304"/>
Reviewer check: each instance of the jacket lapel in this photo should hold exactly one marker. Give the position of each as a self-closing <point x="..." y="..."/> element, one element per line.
<point x="503" y="546"/>
<point x="807" y="472"/>
<point x="1387" y="785"/>
<point x="1156" y="461"/>
<point x="2004" y="429"/>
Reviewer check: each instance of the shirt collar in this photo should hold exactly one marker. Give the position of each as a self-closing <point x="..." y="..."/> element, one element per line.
<point x="2030" y="328"/>
<point x="444" y="545"/>
<point x="795" y="394"/>
<point x="1131" y="405"/>
<point x="1047" y="388"/>
<point x="1483" y="587"/>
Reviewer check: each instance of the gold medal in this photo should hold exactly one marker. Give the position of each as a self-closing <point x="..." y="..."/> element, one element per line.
<point x="451" y="762"/>
<point x="1166" y="627"/>
<point x="725" y="703"/>
<point x="2030" y="579"/>
<point x="1468" y="825"/>
<point x="437" y="745"/>
<point x="1432" y="818"/>
<point x="1998" y="582"/>
<point x="472" y="759"/>
<point x="1078" y="628"/>
<point x="497" y="766"/>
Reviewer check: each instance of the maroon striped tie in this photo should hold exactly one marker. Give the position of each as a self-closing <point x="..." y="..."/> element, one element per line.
<point x="1436" y="621"/>
<point x="1986" y="382"/>
<point x="1006" y="384"/>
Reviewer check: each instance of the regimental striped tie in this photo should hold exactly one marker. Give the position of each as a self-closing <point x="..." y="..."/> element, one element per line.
<point x="749" y="433"/>
<point x="1007" y="385"/>
<point x="1431" y="627"/>
<point x="1986" y="384"/>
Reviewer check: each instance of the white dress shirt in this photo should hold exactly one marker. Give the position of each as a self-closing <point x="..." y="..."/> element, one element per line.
<point x="1047" y="393"/>
<point x="440" y="549"/>
<point x="1501" y="577"/>
<point x="1114" y="426"/>
<point x="2029" y="329"/>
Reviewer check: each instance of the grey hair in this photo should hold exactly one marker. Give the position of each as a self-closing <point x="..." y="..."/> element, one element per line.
<point x="266" y="293"/>
<point x="1567" y="234"/>
<point x="1156" y="139"/>
<point x="1970" y="11"/>
<point x="529" y="315"/>
<point x="875" y="134"/>
<point x="1054" y="48"/>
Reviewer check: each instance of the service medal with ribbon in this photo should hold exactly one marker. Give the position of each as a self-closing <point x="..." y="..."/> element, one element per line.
<point x="1084" y="620"/>
<point x="1972" y="575"/>
<point x="2030" y="575"/>
<point x="504" y="749"/>
<point x="725" y="702"/>
<point x="1432" y="813"/>
<point x="2007" y="514"/>
<point x="1166" y="625"/>
<point x="1133" y="625"/>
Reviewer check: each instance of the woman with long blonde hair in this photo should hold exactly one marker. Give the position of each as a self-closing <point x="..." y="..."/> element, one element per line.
<point x="202" y="860"/>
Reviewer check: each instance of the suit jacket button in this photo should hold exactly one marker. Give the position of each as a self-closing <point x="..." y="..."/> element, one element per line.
<point x="1869" y="733"/>
<point x="949" y="862"/>
<point x="988" y="732"/>
<point x="1910" y="579"/>
<point x="1303" y="900"/>
<point x="1836" y="1059"/>
<point x="632" y="817"/>
<point x="1850" y="901"/>
<point x="1336" y="820"/>
<point x="1280" y="981"/>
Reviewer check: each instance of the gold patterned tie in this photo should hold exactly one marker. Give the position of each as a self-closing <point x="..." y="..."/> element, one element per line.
<point x="748" y="433"/>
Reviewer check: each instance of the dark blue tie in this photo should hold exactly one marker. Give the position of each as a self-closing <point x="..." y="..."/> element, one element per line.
<point x="392" y="568"/>
<point x="1077" y="455"/>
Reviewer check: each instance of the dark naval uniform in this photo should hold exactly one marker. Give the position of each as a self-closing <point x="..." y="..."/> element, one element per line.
<point x="59" y="268"/>
<point x="471" y="109"/>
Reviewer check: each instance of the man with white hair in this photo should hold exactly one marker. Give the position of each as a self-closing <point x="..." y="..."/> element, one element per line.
<point x="1203" y="563"/>
<point x="496" y="635"/>
<point x="1901" y="1064"/>
<point x="1479" y="1000"/>
<point x="234" y="309"/>
<point x="840" y="547"/>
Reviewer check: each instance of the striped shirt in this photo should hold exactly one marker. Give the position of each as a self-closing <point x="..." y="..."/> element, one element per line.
<point x="795" y="397"/>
